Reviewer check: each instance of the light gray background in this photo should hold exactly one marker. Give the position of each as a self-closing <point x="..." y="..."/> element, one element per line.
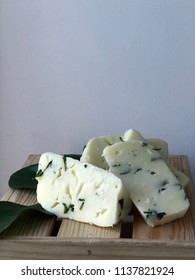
<point x="74" y="69"/>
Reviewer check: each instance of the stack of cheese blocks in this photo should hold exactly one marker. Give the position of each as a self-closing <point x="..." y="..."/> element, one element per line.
<point x="113" y="174"/>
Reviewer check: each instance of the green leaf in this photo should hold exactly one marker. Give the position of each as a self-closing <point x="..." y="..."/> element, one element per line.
<point x="24" y="178"/>
<point x="10" y="211"/>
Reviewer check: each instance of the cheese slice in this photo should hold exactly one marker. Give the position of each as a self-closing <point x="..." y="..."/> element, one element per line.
<point x="162" y="147"/>
<point x="153" y="188"/>
<point x="80" y="191"/>
<point x="92" y="153"/>
<point x="158" y="144"/>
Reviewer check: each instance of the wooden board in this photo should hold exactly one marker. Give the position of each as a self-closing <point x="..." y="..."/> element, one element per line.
<point x="42" y="237"/>
<point x="70" y="228"/>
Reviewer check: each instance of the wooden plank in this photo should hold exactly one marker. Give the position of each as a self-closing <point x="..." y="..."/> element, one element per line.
<point x="181" y="229"/>
<point x="31" y="225"/>
<point x="70" y="228"/>
<point x="84" y="248"/>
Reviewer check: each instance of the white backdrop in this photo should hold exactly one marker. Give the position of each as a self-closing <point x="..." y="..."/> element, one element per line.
<point x="74" y="69"/>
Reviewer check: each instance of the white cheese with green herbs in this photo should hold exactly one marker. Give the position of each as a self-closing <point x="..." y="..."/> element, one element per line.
<point x="153" y="188"/>
<point x="92" y="153"/>
<point x="158" y="144"/>
<point x="80" y="191"/>
<point x="162" y="147"/>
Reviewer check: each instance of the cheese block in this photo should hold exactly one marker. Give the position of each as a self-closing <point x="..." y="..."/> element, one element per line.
<point x="80" y="191"/>
<point x="158" y="144"/>
<point x="162" y="147"/>
<point x="92" y="153"/>
<point x="153" y="188"/>
<point x="132" y="134"/>
<point x="95" y="146"/>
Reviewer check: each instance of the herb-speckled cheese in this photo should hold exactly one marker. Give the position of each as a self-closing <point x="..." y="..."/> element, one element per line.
<point x="79" y="191"/>
<point x="95" y="146"/>
<point x="162" y="147"/>
<point x="92" y="153"/>
<point x="153" y="188"/>
<point x="158" y="144"/>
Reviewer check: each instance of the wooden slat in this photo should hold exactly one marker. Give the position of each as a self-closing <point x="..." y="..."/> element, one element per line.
<point x="181" y="229"/>
<point x="84" y="248"/>
<point x="32" y="224"/>
<point x="71" y="228"/>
